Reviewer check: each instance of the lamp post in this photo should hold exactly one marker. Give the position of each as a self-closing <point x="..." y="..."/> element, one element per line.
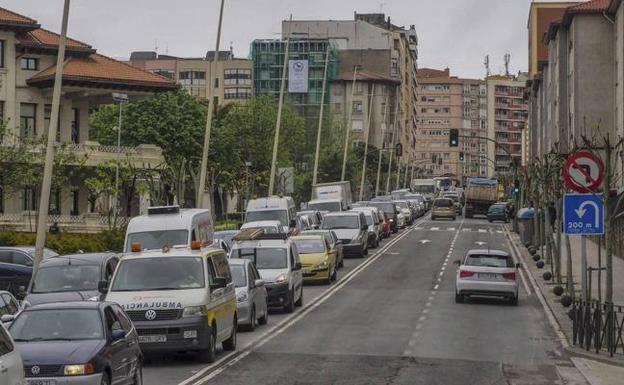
<point x="348" y="126"/>
<point x="320" y="123"/>
<point x="121" y="99"/>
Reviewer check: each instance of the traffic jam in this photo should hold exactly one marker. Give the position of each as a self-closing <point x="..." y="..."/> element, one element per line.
<point x="179" y="286"/>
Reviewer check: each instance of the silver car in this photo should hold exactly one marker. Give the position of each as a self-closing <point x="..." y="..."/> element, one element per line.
<point x="251" y="294"/>
<point x="487" y="273"/>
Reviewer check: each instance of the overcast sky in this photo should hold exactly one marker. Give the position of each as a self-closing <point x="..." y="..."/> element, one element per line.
<point x="453" y="33"/>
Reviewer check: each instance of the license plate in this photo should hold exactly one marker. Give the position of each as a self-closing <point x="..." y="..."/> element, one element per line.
<point x="488" y="275"/>
<point x="151" y="339"/>
<point x="41" y="382"/>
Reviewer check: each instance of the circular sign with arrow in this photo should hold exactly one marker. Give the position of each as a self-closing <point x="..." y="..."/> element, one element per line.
<point x="583" y="172"/>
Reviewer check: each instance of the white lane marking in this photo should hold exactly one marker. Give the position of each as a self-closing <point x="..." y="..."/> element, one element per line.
<point x="424" y="241"/>
<point x="215" y="369"/>
<point x="422" y="318"/>
<point x="436" y="287"/>
<point x="451" y="229"/>
<point x="428" y="304"/>
<point x="482" y="230"/>
<point x="419" y="326"/>
<point x="425" y="311"/>
<point x="435" y="228"/>
<point x="407" y="352"/>
<point x="467" y="229"/>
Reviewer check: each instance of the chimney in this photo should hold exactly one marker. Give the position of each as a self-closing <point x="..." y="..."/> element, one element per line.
<point x="447" y="72"/>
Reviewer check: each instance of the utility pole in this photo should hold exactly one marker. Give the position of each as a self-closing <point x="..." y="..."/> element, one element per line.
<point x="278" y="123"/>
<point x="385" y="115"/>
<point x="396" y="114"/>
<point x="213" y="69"/>
<point x="320" y="122"/>
<point x="44" y="201"/>
<point x="406" y="172"/>
<point x="367" y="135"/>
<point x="348" y="126"/>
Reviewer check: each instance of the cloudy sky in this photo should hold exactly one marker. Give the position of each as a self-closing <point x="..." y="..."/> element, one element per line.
<point x="453" y="33"/>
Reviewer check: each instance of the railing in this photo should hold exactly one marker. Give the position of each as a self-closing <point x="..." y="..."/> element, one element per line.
<point x="598" y="326"/>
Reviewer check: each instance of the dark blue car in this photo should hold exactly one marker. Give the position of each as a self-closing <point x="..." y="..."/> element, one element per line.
<point x="16" y="265"/>
<point x="79" y="343"/>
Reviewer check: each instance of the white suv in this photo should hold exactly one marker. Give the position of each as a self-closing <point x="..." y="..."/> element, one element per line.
<point x="11" y="367"/>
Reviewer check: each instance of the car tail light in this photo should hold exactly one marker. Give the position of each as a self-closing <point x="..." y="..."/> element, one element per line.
<point x="511" y="276"/>
<point x="465" y="273"/>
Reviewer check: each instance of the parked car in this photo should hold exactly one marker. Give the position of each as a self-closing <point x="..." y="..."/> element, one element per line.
<point x="374" y="227"/>
<point x="314" y="216"/>
<point x="318" y="261"/>
<point x="69" y="278"/>
<point x="352" y="230"/>
<point x="406" y="210"/>
<point x="454" y="196"/>
<point x="16" y="265"/>
<point x="251" y="295"/>
<point x="388" y="207"/>
<point x="386" y="230"/>
<point x="268" y="226"/>
<point x="443" y="208"/>
<point x="11" y="366"/>
<point x="226" y="235"/>
<point x="78" y="343"/>
<point x="221" y="244"/>
<point x="334" y="243"/>
<point x="498" y="212"/>
<point x="490" y="273"/>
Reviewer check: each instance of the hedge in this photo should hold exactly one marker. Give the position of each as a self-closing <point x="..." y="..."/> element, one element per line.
<point x="67" y="243"/>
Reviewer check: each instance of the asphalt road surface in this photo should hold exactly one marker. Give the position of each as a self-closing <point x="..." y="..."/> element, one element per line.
<point x="393" y="320"/>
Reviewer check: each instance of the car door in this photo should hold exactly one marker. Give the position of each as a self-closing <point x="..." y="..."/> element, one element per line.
<point x="116" y="351"/>
<point x="132" y="351"/>
<point x="254" y="293"/>
<point x="11" y="367"/>
<point x="261" y="293"/>
<point x="297" y="274"/>
<point x="6" y="271"/>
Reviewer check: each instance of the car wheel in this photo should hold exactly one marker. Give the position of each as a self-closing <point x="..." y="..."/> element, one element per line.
<point x="513" y="301"/>
<point x="459" y="298"/>
<point x="265" y="318"/>
<point x="299" y="302"/>
<point x="252" y="320"/>
<point x="490" y="220"/>
<point x="364" y="252"/>
<point x="290" y="306"/>
<point x="341" y="262"/>
<point x="230" y="343"/>
<point x="138" y="375"/>
<point x="208" y="355"/>
<point x="105" y="379"/>
<point x="454" y="218"/>
<point x="335" y="275"/>
<point x="432" y="218"/>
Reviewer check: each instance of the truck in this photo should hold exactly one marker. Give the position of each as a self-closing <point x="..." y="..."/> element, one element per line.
<point x="479" y="195"/>
<point x="425" y="186"/>
<point x="330" y="197"/>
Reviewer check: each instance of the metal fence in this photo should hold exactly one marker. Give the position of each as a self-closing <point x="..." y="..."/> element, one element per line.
<point x="598" y="326"/>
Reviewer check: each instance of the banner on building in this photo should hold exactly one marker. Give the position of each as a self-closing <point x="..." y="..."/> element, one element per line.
<point x="297" y="76"/>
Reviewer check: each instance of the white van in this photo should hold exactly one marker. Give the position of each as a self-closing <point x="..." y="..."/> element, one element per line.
<point x="169" y="226"/>
<point x="179" y="299"/>
<point x="272" y="208"/>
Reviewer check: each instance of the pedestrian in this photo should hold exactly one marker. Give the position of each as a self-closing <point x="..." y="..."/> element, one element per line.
<point x="552" y="214"/>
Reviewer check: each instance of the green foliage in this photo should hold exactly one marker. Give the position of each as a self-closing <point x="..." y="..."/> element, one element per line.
<point x="66" y="243"/>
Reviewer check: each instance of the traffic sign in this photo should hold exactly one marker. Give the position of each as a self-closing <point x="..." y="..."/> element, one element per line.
<point x="583" y="172"/>
<point x="583" y="214"/>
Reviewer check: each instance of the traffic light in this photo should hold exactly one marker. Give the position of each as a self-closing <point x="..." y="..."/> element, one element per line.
<point x="516" y="189"/>
<point x="461" y="156"/>
<point x="454" y="137"/>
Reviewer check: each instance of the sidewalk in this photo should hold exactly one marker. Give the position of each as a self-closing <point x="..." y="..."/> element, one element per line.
<point x="598" y="369"/>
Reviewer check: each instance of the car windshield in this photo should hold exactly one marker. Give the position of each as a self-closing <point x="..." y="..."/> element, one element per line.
<point x="265" y="229"/>
<point x="264" y="257"/>
<point x="325" y="206"/>
<point x="486" y="260"/>
<point x="387" y="208"/>
<point x="66" y="278"/>
<point x="402" y="204"/>
<point x="443" y="203"/>
<point x="161" y="273"/>
<point x="369" y="219"/>
<point x="155" y="240"/>
<point x="310" y="246"/>
<point x="238" y="275"/>
<point x="268" y="215"/>
<point x="226" y="236"/>
<point x="57" y="324"/>
<point x="341" y="222"/>
<point x="496" y="208"/>
<point x="455" y="198"/>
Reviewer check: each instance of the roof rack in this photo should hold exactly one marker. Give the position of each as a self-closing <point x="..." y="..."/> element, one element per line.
<point x="258" y="234"/>
<point x="156" y="210"/>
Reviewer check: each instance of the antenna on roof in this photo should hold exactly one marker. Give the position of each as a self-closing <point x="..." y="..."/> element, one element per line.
<point x="507" y="59"/>
<point x="486" y="63"/>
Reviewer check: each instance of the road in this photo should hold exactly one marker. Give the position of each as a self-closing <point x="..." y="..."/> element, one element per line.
<point x="395" y="321"/>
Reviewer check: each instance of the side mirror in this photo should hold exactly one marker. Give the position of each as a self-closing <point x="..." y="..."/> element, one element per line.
<point x="518" y="265"/>
<point x="292" y="223"/>
<point x="457" y="262"/>
<point x="259" y="282"/>
<point x="297" y="266"/>
<point x="7" y="318"/>
<point x="103" y="287"/>
<point x="218" y="283"/>
<point x="118" y="335"/>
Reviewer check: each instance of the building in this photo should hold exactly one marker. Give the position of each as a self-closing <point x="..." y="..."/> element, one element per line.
<point x="233" y="76"/>
<point x="27" y="70"/>
<point x="507" y="114"/>
<point x="576" y="92"/>
<point x="447" y="102"/>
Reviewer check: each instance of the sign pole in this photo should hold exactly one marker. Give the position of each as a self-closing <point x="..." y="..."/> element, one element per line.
<point x="584" y="268"/>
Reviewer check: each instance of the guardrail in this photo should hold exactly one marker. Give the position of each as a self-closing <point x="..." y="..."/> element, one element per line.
<point x="598" y="326"/>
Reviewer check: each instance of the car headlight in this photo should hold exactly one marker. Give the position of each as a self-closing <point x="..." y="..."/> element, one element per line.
<point x="321" y="266"/>
<point x="241" y="296"/>
<point x="78" y="370"/>
<point x="281" y="278"/>
<point x="192" y="311"/>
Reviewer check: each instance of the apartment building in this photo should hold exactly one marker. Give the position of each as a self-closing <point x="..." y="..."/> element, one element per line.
<point x="27" y="70"/>
<point x="233" y="77"/>
<point x="507" y="114"/>
<point x="447" y="102"/>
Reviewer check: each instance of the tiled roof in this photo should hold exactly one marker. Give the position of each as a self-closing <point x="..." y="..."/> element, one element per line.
<point x="591" y="6"/>
<point x="432" y="73"/>
<point x="101" y="70"/>
<point x="46" y="39"/>
<point x="365" y="75"/>
<point x="9" y="17"/>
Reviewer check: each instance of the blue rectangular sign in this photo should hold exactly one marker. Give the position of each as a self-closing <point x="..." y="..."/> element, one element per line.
<point x="583" y="214"/>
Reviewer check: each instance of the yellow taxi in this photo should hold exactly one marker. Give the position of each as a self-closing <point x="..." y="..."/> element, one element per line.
<point x="318" y="260"/>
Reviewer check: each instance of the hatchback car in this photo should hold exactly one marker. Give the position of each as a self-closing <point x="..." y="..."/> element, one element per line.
<point x="390" y="209"/>
<point x="351" y="229"/>
<point x="487" y="273"/>
<point x="269" y="227"/>
<point x="318" y="261"/>
<point x="334" y="243"/>
<point x="78" y="343"/>
<point x="497" y="212"/>
<point x="443" y="208"/>
<point x="251" y="295"/>
<point x="11" y="367"/>
<point x="71" y="278"/>
<point x="16" y="265"/>
<point x="374" y="226"/>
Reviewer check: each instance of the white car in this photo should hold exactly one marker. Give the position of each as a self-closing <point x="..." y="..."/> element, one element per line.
<point x="269" y="227"/>
<point x="11" y="366"/>
<point x="487" y="273"/>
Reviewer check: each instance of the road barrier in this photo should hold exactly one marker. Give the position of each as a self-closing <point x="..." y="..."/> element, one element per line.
<point x="598" y="326"/>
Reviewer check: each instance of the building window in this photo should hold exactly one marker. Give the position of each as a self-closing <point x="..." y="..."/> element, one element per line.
<point x="1" y="53"/>
<point x="75" y="210"/>
<point x="29" y="63"/>
<point x="169" y="74"/>
<point x="1" y="200"/>
<point x="237" y="93"/>
<point x="193" y="78"/>
<point x="357" y="106"/>
<point x="357" y="125"/>
<point x="28" y="119"/>
<point x="240" y="76"/>
<point x="29" y="200"/>
<point x="54" y="207"/>
<point x="47" y="114"/>
<point x="75" y="125"/>
<point x="216" y="83"/>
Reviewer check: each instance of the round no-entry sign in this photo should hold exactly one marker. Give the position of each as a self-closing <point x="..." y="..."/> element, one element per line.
<point x="583" y="172"/>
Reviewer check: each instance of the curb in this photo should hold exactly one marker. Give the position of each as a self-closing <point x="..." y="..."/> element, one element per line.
<point x="568" y="347"/>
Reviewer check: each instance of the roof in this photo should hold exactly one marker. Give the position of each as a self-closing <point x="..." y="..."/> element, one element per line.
<point x="433" y="73"/>
<point x="365" y="75"/>
<point x="10" y="18"/>
<point x="341" y="213"/>
<point x="259" y="243"/>
<point x="31" y="250"/>
<point x="488" y="251"/>
<point x="267" y="223"/>
<point x="44" y="39"/>
<point x="308" y="236"/>
<point x="78" y="259"/>
<point x="589" y="7"/>
<point x="99" y="70"/>
<point x="172" y="253"/>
